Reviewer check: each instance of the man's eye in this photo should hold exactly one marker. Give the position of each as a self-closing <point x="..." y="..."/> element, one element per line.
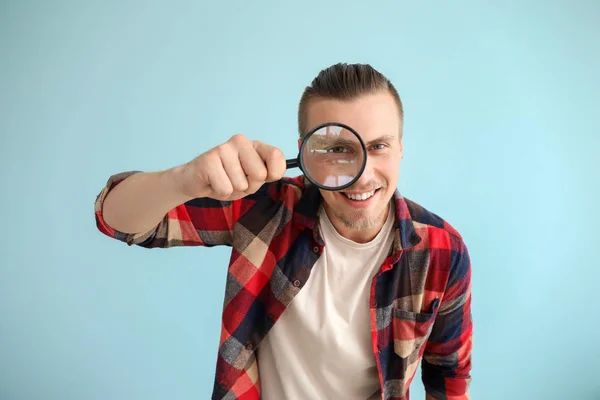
<point x="338" y="149"/>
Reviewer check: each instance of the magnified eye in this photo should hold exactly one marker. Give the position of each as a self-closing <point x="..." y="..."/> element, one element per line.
<point x="332" y="156"/>
<point x="338" y="149"/>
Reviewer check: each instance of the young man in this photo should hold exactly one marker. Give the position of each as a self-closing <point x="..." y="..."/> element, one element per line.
<point x="330" y="295"/>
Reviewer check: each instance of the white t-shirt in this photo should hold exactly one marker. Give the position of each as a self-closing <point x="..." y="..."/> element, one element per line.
<point x="321" y="347"/>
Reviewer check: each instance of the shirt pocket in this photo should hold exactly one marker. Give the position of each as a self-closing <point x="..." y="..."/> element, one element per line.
<point x="411" y="330"/>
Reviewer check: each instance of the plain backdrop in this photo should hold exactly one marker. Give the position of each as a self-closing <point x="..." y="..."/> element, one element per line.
<point x="501" y="139"/>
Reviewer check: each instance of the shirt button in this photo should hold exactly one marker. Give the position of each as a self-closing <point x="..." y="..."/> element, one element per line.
<point x="316" y="249"/>
<point x="296" y="283"/>
<point x="249" y="346"/>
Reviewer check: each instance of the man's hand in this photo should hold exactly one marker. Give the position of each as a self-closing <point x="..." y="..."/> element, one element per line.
<point x="232" y="170"/>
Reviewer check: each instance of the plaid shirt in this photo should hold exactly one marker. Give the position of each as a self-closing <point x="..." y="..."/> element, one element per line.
<point x="420" y="300"/>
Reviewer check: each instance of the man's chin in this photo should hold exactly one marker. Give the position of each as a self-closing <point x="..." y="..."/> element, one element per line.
<point x="359" y="220"/>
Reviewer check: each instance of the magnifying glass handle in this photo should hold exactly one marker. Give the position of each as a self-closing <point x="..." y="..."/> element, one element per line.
<point x="293" y="163"/>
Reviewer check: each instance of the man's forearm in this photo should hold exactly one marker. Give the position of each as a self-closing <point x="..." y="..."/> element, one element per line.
<point x="141" y="201"/>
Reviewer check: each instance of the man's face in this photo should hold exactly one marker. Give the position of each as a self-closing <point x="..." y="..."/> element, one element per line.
<point x="375" y="118"/>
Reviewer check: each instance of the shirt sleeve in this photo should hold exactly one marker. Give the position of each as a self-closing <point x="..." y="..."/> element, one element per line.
<point x="446" y="362"/>
<point x="198" y="222"/>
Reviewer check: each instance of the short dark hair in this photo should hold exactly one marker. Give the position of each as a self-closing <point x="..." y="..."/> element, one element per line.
<point x="344" y="81"/>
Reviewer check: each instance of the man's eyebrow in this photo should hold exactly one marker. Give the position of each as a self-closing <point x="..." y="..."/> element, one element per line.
<point x="337" y="141"/>
<point x="317" y="140"/>
<point x="384" y="138"/>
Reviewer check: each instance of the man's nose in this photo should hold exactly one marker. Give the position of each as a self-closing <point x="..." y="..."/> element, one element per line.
<point x="367" y="175"/>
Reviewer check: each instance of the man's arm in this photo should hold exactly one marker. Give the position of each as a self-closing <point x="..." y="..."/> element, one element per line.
<point x="194" y="204"/>
<point x="138" y="209"/>
<point x="447" y="357"/>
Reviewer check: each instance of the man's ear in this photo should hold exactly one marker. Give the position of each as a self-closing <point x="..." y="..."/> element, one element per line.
<point x="299" y="144"/>
<point x="401" y="148"/>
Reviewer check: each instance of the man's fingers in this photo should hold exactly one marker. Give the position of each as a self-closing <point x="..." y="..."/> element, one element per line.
<point x="274" y="160"/>
<point x="253" y="164"/>
<point x="219" y="180"/>
<point x="240" y="167"/>
<point x="231" y="163"/>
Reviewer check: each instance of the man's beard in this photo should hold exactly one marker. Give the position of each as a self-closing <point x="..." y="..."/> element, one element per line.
<point x="360" y="220"/>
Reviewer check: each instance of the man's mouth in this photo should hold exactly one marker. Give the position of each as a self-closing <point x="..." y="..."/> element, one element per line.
<point x="360" y="196"/>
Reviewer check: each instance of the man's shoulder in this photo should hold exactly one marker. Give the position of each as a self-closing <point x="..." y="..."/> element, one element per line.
<point x="286" y="189"/>
<point x="440" y="240"/>
<point x="426" y="219"/>
<point x="292" y="194"/>
<point x="275" y="205"/>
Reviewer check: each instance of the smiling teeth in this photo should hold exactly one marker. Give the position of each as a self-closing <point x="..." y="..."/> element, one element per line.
<point x="360" y="196"/>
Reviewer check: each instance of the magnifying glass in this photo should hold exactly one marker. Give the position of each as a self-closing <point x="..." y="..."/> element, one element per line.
<point x="332" y="156"/>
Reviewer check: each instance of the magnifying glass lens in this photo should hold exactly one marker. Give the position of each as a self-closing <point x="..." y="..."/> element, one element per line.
<point x="332" y="156"/>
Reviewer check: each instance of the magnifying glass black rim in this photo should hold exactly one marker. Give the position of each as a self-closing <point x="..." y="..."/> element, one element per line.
<point x="301" y="160"/>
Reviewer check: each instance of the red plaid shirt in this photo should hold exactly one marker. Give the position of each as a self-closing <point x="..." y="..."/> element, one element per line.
<point x="420" y="299"/>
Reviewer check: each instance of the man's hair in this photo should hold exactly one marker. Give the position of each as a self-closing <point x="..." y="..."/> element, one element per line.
<point x="344" y="81"/>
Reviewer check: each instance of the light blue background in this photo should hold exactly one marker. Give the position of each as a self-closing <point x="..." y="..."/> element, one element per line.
<point x="501" y="139"/>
